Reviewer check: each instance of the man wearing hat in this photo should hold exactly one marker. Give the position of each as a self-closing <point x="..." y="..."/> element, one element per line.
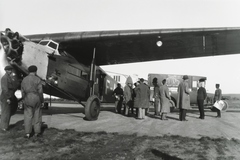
<point x="144" y="97"/>
<point x="183" y="102"/>
<point x="9" y="102"/>
<point x="156" y="96"/>
<point x="164" y="99"/>
<point x="118" y="94"/>
<point x="32" y="94"/>
<point x="201" y="96"/>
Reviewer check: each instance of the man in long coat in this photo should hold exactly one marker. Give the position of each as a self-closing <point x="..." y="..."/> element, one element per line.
<point x="183" y="101"/>
<point x="143" y="103"/>
<point x="128" y="95"/>
<point x="32" y="94"/>
<point x="9" y="102"/>
<point x="164" y="99"/>
<point x="156" y="96"/>
<point x="136" y="96"/>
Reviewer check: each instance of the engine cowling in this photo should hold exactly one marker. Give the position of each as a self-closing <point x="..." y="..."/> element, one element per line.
<point x="11" y="44"/>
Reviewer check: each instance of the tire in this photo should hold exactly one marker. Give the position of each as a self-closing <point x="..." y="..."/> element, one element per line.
<point x="92" y="108"/>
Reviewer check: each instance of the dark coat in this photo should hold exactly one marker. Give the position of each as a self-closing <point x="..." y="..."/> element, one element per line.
<point x="164" y="99"/>
<point x="9" y="85"/>
<point x="156" y="91"/>
<point x="183" y="101"/>
<point x="201" y="93"/>
<point x="137" y="97"/>
<point x="144" y="96"/>
<point x="118" y="93"/>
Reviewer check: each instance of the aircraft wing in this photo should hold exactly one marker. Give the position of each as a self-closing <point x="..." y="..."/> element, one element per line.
<point x="126" y="46"/>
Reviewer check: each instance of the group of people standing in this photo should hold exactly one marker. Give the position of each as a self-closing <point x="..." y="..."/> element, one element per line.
<point x="184" y="98"/>
<point x="139" y="97"/>
<point x="136" y="98"/>
<point x="32" y="94"/>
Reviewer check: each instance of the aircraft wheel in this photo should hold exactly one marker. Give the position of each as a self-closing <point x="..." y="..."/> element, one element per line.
<point x="92" y="108"/>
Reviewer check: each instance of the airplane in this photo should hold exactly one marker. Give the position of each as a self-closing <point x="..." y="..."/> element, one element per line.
<point x="69" y="62"/>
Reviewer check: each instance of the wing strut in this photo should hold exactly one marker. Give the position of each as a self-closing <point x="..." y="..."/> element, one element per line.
<point x="92" y="73"/>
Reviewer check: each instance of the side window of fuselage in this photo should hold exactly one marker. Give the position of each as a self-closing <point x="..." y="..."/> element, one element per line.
<point x="77" y="72"/>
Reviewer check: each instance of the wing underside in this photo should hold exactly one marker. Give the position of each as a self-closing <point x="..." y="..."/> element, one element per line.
<point x="116" y="47"/>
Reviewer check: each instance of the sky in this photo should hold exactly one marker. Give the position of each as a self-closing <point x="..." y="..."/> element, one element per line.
<point x="53" y="16"/>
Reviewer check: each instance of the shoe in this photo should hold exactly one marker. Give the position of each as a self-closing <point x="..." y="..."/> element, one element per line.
<point x="27" y="136"/>
<point x="218" y="116"/>
<point x="37" y="135"/>
<point x="185" y="120"/>
<point x="4" y="129"/>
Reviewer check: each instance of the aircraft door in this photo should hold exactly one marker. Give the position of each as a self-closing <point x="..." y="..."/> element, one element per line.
<point x="99" y="84"/>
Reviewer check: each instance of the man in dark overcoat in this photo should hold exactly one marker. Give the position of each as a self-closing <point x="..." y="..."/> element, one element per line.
<point x="144" y="93"/>
<point x="201" y="96"/>
<point x="164" y="100"/>
<point x="32" y="94"/>
<point x="9" y="102"/>
<point x="156" y="96"/>
<point x="183" y="101"/>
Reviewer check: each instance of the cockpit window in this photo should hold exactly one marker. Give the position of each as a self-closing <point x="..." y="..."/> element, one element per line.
<point x="44" y="43"/>
<point x="52" y="45"/>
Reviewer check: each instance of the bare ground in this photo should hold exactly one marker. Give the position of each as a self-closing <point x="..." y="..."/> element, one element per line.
<point x="70" y="144"/>
<point x="116" y="137"/>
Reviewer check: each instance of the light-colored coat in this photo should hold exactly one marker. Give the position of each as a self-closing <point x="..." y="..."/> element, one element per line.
<point x="164" y="99"/>
<point x="183" y="101"/>
<point x="127" y="93"/>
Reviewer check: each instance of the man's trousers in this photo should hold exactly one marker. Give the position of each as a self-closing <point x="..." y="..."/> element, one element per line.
<point x="32" y="117"/>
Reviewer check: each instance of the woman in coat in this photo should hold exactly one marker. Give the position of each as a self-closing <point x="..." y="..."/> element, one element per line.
<point x="164" y="100"/>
